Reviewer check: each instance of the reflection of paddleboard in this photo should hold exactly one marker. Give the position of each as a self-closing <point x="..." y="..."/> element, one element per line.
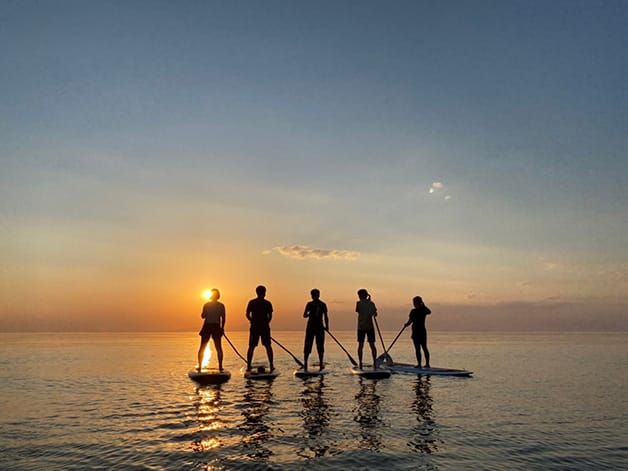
<point x="411" y="369"/>
<point x="260" y="372"/>
<point x="309" y="373"/>
<point x="369" y="373"/>
<point x="209" y="376"/>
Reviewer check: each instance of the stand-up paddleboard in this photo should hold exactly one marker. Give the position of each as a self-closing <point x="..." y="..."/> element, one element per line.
<point x="260" y="372"/>
<point x="309" y="373"/>
<point x="411" y="369"/>
<point x="209" y="376"/>
<point x="369" y="373"/>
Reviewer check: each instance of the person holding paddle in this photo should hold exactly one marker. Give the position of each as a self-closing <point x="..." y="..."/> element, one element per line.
<point x="419" y="332"/>
<point x="317" y="323"/>
<point x="366" y="312"/>
<point x="259" y="312"/>
<point x="213" y="327"/>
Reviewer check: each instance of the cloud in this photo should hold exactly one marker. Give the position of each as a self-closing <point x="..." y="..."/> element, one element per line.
<point x="302" y="252"/>
<point x="447" y="197"/>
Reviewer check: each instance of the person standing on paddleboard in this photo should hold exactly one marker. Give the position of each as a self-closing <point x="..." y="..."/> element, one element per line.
<point x="259" y="312"/>
<point x="419" y="332"/>
<point x="317" y="322"/>
<point x="214" y="326"/>
<point x="366" y="312"/>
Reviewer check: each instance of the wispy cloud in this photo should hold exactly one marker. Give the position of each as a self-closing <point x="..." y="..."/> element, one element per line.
<point x="301" y="252"/>
<point x="435" y="186"/>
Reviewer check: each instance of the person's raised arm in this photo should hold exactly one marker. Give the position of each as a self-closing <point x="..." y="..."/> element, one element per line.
<point x="428" y="311"/>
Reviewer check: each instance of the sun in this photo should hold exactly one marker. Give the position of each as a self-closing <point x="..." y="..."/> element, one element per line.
<point x="207" y="294"/>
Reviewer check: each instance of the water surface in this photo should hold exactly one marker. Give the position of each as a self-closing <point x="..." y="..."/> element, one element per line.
<point x="121" y="400"/>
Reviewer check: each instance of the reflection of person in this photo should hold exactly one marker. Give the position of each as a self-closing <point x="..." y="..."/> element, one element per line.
<point x="317" y="323"/>
<point x="257" y="430"/>
<point x="316" y="416"/>
<point x="259" y="312"/>
<point x="213" y="327"/>
<point x="424" y="438"/>
<point x="366" y="312"/>
<point x="419" y="332"/>
<point x="367" y="414"/>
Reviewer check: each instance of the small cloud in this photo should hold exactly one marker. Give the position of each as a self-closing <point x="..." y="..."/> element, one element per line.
<point x="266" y="252"/>
<point x="438" y="185"/>
<point x="525" y="283"/>
<point x="447" y="197"/>
<point x="302" y="252"/>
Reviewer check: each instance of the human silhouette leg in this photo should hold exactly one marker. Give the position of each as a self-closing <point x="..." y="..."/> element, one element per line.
<point x="374" y="354"/>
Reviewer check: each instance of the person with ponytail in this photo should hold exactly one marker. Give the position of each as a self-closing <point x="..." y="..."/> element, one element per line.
<point x="366" y="312"/>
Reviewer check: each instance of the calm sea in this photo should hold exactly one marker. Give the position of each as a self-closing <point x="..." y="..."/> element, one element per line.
<point x="123" y="401"/>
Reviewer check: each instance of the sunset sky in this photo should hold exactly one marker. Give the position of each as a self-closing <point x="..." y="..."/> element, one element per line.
<point x="475" y="153"/>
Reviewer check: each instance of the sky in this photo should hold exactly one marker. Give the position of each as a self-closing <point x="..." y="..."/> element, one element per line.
<point x="473" y="153"/>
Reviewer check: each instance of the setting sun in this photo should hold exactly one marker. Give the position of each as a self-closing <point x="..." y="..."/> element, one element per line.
<point x="207" y="294"/>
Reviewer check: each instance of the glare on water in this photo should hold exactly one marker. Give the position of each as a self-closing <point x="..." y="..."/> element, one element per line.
<point x="207" y="356"/>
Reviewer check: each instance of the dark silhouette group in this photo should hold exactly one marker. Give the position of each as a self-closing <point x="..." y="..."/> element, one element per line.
<point x="259" y="312"/>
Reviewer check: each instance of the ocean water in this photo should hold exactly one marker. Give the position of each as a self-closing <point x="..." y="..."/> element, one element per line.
<point x="123" y="401"/>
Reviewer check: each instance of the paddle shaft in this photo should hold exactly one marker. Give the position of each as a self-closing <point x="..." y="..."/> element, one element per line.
<point x="233" y="346"/>
<point x="299" y="362"/>
<point x="379" y="333"/>
<point x="353" y="362"/>
<point x="393" y="342"/>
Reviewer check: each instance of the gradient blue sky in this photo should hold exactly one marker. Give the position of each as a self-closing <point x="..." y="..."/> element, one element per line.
<point x="153" y="149"/>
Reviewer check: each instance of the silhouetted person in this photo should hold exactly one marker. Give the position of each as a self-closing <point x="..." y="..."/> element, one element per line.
<point x="419" y="332"/>
<point x="259" y="312"/>
<point x="366" y="312"/>
<point x="317" y="322"/>
<point x="213" y="327"/>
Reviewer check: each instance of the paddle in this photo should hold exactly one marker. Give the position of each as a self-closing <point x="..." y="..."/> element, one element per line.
<point x="289" y="353"/>
<point x="380" y="338"/>
<point x="385" y="355"/>
<point x="353" y="362"/>
<point x="233" y="346"/>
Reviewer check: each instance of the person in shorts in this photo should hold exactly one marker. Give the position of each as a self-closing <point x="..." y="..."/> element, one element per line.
<point x="317" y="323"/>
<point x="259" y="312"/>
<point x="366" y="312"/>
<point x="419" y="332"/>
<point x="213" y="327"/>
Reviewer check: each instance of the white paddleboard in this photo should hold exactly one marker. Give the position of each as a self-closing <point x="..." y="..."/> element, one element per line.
<point x="209" y="376"/>
<point x="411" y="369"/>
<point x="309" y="373"/>
<point x="260" y="372"/>
<point x="370" y="373"/>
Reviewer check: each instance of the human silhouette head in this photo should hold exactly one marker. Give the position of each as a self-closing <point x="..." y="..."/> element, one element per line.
<point x="417" y="301"/>
<point x="315" y="294"/>
<point x="261" y="291"/>
<point x="363" y="294"/>
<point x="215" y="295"/>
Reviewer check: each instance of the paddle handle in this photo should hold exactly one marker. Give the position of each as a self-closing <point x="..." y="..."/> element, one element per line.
<point x="299" y="362"/>
<point x="353" y="362"/>
<point x="233" y="346"/>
